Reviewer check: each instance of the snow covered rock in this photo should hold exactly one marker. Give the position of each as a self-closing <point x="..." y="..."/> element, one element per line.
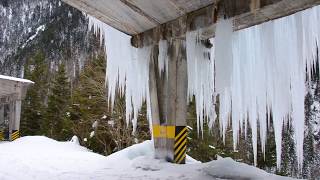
<point x="75" y="140"/>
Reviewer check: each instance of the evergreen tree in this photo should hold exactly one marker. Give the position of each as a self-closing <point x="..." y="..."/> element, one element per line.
<point x="209" y="145"/>
<point x="99" y="127"/>
<point x="57" y="123"/>
<point x="36" y="70"/>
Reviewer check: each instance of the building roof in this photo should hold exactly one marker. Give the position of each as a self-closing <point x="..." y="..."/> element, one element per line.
<point x="13" y="86"/>
<point x="10" y="78"/>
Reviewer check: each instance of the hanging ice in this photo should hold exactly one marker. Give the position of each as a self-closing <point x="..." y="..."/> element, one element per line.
<point x="200" y="77"/>
<point x="127" y="68"/>
<point x="265" y="74"/>
<point x="258" y="74"/>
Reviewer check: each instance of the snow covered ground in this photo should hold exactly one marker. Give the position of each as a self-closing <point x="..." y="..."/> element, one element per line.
<point x="39" y="158"/>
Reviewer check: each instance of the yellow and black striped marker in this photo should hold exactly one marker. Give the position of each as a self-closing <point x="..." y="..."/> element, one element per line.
<point x="15" y="135"/>
<point x="180" y="144"/>
<point x="1" y="136"/>
<point x="179" y="135"/>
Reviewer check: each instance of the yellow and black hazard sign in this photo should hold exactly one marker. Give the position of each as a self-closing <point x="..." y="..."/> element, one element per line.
<point x="176" y="134"/>
<point x="180" y="144"/>
<point x="1" y="136"/>
<point x="15" y="135"/>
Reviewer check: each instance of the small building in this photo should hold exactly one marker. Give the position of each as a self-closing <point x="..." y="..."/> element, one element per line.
<point x="12" y="92"/>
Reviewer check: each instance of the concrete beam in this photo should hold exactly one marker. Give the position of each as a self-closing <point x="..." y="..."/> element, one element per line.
<point x="244" y="15"/>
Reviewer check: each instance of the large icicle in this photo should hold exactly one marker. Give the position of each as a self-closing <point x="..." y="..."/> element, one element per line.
<point x="223" y="58"/>
<point x="127" y="68"/>
<point x="265" y="74"/>
<point x="200" y="77"/>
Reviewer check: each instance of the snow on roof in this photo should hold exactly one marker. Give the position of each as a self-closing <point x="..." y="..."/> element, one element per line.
<point x="10" y="78"/>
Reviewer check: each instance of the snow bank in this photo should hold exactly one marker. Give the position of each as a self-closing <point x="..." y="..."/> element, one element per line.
<point x="39" y="158"/>
<point x="43" y="158"/>
<point x="227" y="168"/>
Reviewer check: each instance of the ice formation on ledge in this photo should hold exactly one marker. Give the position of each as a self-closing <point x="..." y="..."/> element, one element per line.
<point x="264" y="75"/>
<point x="127" y="70"/>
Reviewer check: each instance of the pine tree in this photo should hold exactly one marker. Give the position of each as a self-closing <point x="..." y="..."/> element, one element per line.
<point x="57" y="123"/>
<point x="36" y="70"/>
<point x="90" y="105"/>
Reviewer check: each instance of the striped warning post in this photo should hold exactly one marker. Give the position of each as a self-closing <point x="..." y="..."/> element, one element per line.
<point x="1" y="136"/>
<point x="15" y="135"/>
<point x="180" y="144"/>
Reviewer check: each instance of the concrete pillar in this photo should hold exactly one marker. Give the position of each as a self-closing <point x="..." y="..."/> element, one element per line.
<point x="11" y="118"/>
<point x="157" y="91"/>
<point x="2" y="123"/>
<point x="1" y="114"/>
<point x="14" y="119"/>
<point x="168" y="96"/>
<point x="177" y="100"/>
<point x="16" y="125"/>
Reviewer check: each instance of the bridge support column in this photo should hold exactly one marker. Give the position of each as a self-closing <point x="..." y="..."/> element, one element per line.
<point x="2" y="122"/>
<point x="168" y="94"/>
<point x="14" y="119"/>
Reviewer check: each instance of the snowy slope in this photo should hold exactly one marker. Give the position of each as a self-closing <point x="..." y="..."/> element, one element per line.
<point x="43" y="158"/>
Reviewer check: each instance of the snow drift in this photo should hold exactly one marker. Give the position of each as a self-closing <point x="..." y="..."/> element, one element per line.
<point x="39" y="158"/>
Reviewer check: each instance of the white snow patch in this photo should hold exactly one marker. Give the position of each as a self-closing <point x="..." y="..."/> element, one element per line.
<point x="236" y="170"/>
<point x="10" y="78"/>
<point x="95" y="125"/>
<point x="92" y="134"/>
<point x="75" y="140"/>
<point x="39" y="158"/>
<point x="38" y="30"/>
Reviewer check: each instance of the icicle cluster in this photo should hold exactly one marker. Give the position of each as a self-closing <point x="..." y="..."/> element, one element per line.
<point x="200" y="78"/>
<point x="261" y="74"/>
<point x="258" y="74"/>
<point x="127" y="68"/>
